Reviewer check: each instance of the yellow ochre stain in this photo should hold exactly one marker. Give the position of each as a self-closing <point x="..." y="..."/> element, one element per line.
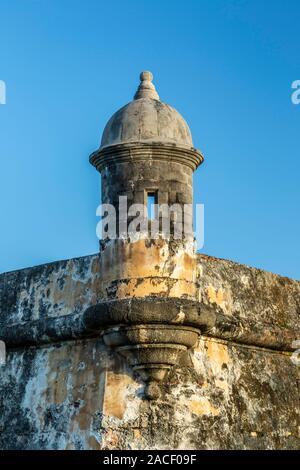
<point x="202" y="406"/>
<point x="215" y="296"/>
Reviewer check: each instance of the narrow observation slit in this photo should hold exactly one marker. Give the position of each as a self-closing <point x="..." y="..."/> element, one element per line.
<point x="151" y="201"/>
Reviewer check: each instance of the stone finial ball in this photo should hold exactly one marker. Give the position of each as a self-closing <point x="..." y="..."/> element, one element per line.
<point x="146" y="76"/>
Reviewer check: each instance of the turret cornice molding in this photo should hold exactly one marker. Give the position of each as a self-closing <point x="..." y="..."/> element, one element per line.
<point x="158" y="151"/>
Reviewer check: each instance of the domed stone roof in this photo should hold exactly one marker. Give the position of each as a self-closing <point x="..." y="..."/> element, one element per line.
<point x="146" y="119"/>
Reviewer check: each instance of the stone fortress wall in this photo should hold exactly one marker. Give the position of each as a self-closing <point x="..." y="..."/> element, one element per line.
<point x="62" y="388"/>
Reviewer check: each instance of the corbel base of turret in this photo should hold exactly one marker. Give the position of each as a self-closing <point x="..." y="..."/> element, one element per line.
<point x="151" y="350"/>
<point x="150" y="333"/>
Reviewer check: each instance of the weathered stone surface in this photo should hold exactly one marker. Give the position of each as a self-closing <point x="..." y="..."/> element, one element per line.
<point x="249" y="293"/>
<point x="81" y="394"/>
<point x="76" y="395"/>
<point x="49" y="290"/>
<point x="235" y="302"/>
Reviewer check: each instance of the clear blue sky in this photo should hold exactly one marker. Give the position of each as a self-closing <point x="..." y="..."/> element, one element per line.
<point x="227" y="66"/>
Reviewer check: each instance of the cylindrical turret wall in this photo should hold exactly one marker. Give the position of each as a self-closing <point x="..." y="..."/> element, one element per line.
<point x="143" y="265"/>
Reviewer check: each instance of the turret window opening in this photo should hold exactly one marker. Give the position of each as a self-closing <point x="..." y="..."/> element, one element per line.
<point x="151" y="201"/>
